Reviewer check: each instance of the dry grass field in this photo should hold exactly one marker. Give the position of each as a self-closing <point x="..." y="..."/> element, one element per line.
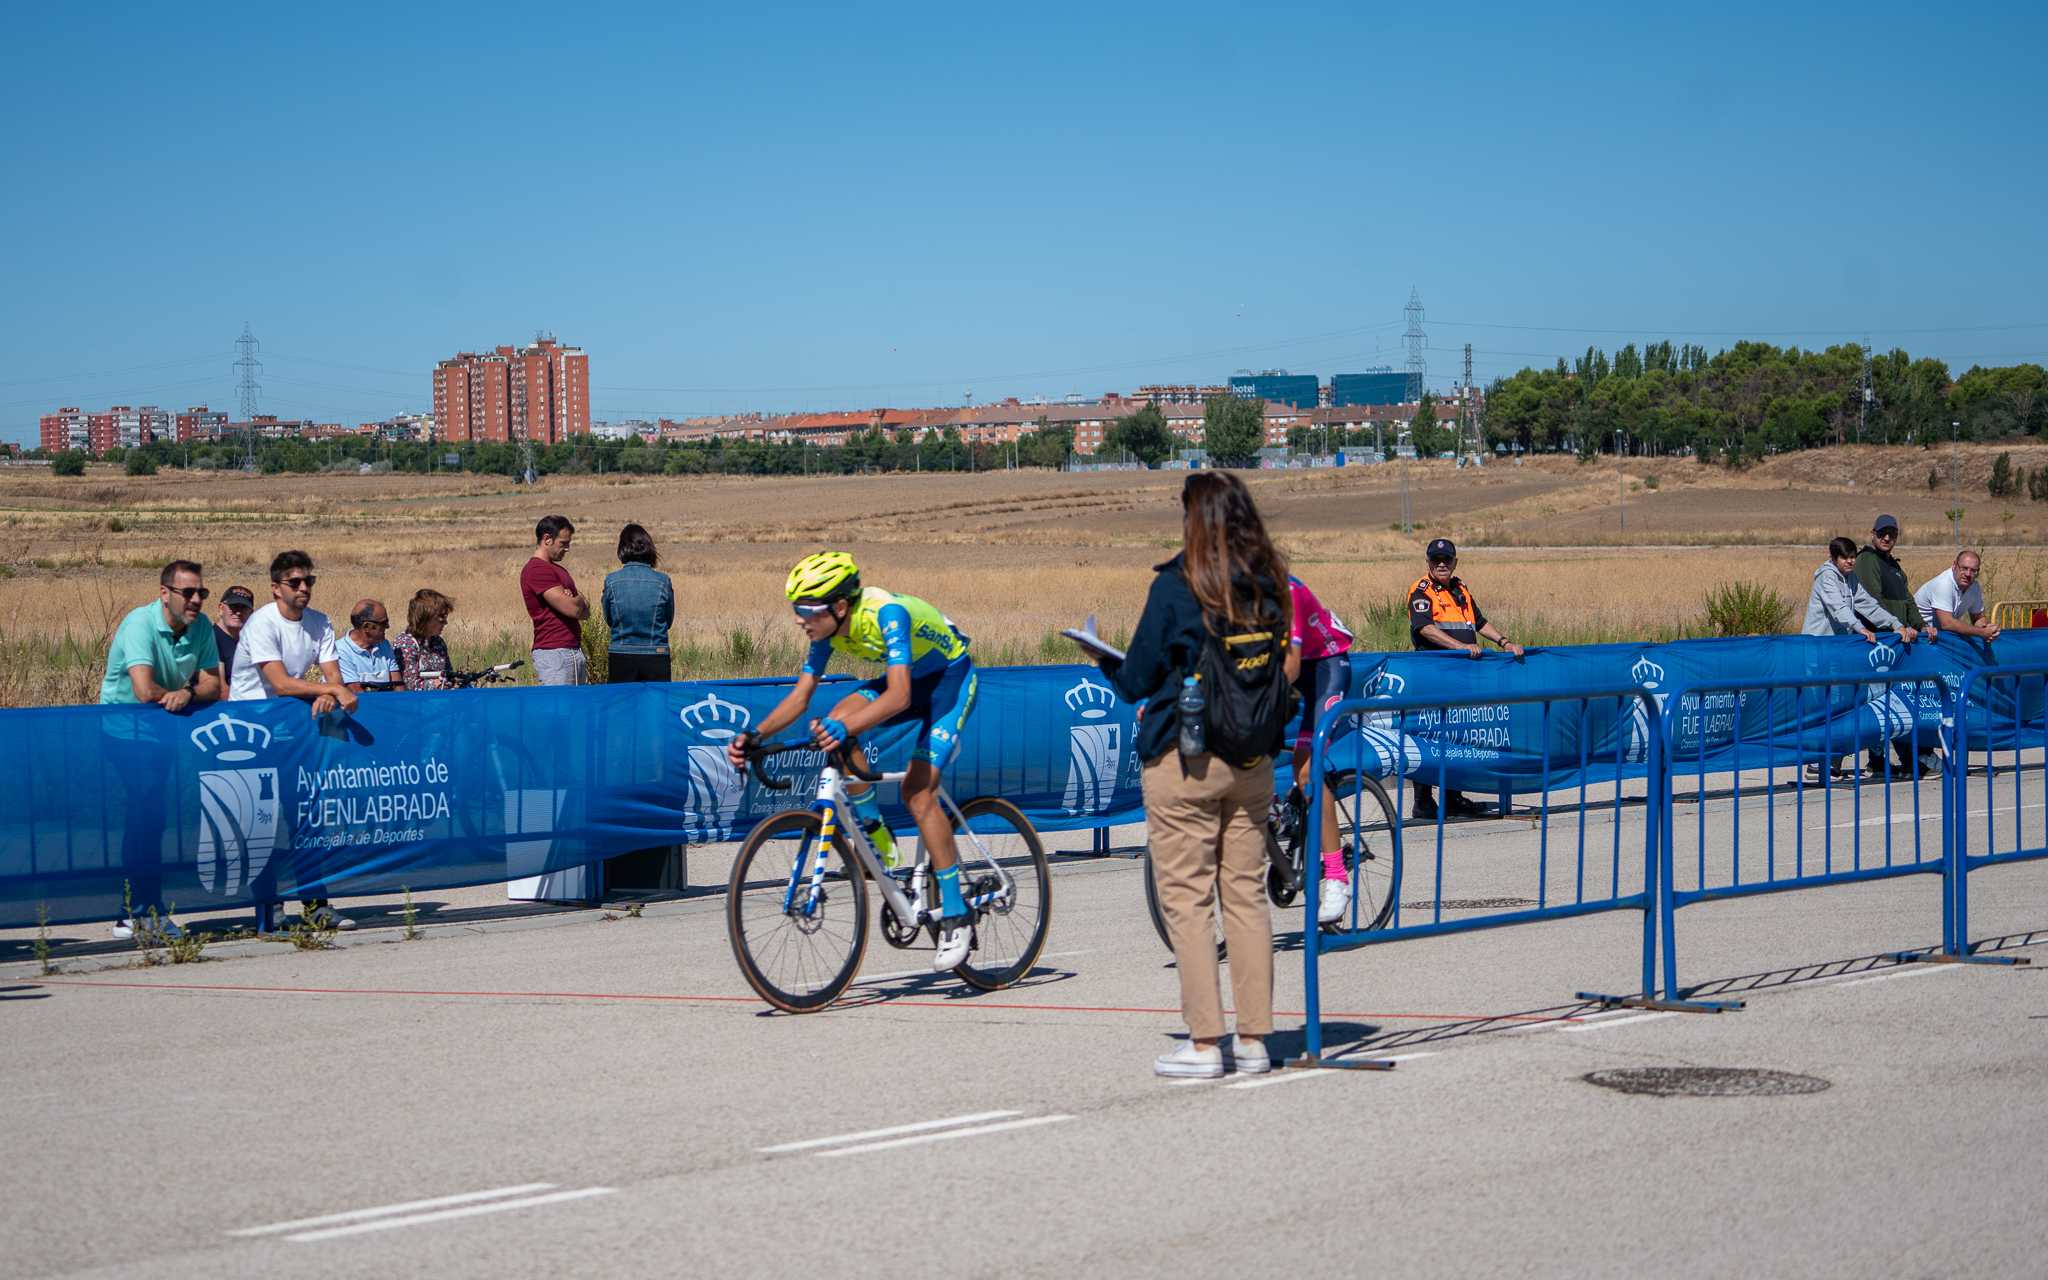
<point x="1012" y="556"/>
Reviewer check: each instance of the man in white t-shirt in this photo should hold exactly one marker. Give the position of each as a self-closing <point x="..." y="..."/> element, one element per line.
<point x="280" y="643"/>
<point x="1953" y="601"/>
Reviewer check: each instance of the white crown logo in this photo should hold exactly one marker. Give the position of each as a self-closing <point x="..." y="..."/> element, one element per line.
<point x="1092" y="700"/>
<point x="230" y="739"/>
<point x="1882" y="657"/>
<point x="715" y="718"/>
<point x="1646" y="673"/>
<point x="1386" y="684"/>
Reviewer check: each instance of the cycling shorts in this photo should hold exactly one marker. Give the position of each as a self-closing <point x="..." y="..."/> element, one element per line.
<point x="940" y="702"/>
<point x="1323" y="683"/>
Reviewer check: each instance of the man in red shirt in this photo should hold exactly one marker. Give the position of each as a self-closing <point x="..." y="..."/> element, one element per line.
<point x="555" y="606"/>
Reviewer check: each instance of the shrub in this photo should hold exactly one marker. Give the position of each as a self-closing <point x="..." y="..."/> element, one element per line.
<point x="71" y="462"/>
<point x="2037" y="484"/>
<point x="1933" y="480"/>
<point x="597" y="650"/>
<point x="1649" y="482"/>
<point x="1745" y="609"/>
<point x="141" y="464"/>
<point x="2001" y="476"/>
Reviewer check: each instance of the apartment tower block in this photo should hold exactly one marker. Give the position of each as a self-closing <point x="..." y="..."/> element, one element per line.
<point x="539" y="393"/>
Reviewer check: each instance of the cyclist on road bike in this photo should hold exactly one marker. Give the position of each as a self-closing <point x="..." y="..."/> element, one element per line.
<point x="929" y="682"/>
<point x="1319" y="664"/>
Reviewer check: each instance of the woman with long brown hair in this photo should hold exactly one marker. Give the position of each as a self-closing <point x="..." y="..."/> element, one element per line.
<point x="1206" y="816"/>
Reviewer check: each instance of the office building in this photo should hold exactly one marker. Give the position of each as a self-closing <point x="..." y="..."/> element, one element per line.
<point x="1276" y="386"/>
<point x="1380" y="386"/>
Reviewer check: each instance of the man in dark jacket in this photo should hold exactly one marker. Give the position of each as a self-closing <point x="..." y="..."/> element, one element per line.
<point x="1884" y="577"/>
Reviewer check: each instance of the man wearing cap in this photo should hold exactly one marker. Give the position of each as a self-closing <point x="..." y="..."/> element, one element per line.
<point x="1443" y="615"/>
<point x="236" y="604"/>
<point x="1884" y="577"/>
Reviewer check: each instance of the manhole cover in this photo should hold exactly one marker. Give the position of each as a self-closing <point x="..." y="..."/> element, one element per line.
<point x="1706" y="1082"/>
<point x="1471" y="904"/>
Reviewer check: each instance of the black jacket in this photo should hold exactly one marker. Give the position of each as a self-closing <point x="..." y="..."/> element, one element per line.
<point x="1164" y="649"/>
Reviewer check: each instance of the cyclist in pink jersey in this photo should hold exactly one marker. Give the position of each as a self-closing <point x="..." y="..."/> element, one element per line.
<point x="1319" y="664"/>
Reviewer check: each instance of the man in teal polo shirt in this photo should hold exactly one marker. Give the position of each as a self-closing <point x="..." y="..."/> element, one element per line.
<point x="163" y="653"/>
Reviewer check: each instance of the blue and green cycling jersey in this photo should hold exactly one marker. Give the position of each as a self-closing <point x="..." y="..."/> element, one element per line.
<point x="900" y="631"/>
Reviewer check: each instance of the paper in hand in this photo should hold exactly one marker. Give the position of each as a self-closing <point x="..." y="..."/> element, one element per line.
<point x="1085" y="637"/>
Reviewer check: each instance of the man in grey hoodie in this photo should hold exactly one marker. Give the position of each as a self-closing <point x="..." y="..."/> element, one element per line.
<point x="1840" y="606"/>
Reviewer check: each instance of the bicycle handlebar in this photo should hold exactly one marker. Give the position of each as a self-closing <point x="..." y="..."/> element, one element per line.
<point x="844" y="757"/>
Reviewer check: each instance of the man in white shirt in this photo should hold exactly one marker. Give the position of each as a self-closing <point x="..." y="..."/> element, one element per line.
<point x="280" y="643"/>
<point x="1953" y="601"/>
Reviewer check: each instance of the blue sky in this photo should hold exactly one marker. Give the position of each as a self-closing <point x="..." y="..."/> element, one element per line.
<point x="779" y="207"/>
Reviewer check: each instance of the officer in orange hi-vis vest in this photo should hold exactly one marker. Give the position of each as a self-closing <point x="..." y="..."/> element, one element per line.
<point x="1443" y="615"/>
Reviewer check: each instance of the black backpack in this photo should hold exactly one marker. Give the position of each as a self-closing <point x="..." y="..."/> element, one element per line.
<point x="1250" y="699"/>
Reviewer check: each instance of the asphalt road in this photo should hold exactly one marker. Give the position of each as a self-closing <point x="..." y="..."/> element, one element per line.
<point x="572" y="1095"/>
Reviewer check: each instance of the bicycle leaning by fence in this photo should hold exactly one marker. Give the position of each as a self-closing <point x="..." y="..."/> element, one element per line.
<point x="798" y="919"/>
<point x="1365" y="824"/>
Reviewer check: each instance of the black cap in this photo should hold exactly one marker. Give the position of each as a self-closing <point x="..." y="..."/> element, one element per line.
<point x="1885" y="522"/>
<point x="1442" y="549"/>
<point x="238" y="595"/>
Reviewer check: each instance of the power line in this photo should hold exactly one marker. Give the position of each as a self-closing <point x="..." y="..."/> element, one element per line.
<point x="115" y="373"/>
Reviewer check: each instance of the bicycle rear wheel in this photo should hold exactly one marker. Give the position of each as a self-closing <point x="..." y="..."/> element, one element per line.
<point x="1215" y="910"/>
<point x="797" y="952"/>
<point x="1008" y="934"/>
<point x="1366" y="825"/>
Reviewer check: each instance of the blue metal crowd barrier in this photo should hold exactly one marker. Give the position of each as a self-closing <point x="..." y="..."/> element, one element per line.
<point x="1729" y="727"/>
<point x="2014" y="718"/>
<point x="1386" y="719"/>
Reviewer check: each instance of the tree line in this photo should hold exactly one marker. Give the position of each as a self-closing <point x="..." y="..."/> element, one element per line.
<point x="1755" y="399"/>
<point x="868" y="451"/>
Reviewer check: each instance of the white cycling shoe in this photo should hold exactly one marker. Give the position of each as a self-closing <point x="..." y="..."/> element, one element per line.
<point x="1334" y="902"/>
<point x="956" y="934"/>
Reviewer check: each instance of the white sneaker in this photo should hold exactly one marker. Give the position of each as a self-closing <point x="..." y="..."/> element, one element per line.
<point x="1250" y="1056"/>
<point x="325" y="917"/>
<point x="1336" y="900"/>
<point x="1190" y="1062"/>
<point x="953" y="942"/>
<point x="124" y="929"/>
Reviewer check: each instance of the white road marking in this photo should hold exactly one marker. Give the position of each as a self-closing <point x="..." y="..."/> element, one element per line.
<point x="1911" y="971"/>
<point x="387" y="1210"/>
<point x="444" y="1215"/>
<point x="1618" y="1022"/>
<point x="926" y="972"/>
<point x="947" y="1136"/>
<point x="889" y="1132"/>
<point x="1310" y="1073"/>
<point x="1930" y="811"/>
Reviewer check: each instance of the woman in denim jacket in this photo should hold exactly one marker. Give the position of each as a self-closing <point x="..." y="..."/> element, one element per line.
<point x="639" y="607"/>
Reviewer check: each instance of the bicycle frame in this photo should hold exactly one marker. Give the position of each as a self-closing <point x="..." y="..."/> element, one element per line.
<point x="834" y="809"/>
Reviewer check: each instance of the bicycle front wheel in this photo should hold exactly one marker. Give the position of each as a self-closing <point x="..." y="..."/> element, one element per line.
<point x="1009" y="930"/>
<point x="798" y="938"/>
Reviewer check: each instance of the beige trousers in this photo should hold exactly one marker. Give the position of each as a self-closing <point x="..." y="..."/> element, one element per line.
<point x="1207" y="831"/>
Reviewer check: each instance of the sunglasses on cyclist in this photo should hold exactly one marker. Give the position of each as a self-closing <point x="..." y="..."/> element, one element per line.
<point x="811" y="610"/>
<point x="190" y="593"/>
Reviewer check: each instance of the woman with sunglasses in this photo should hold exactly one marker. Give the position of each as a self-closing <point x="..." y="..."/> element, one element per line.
<point x="929" y="683"/>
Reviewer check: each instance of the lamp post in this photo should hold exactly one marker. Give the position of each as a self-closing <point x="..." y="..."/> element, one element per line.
<point x="1955" y="520"/>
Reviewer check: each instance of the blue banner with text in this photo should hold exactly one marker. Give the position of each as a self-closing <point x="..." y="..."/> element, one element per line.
<point x="234" y="803"/>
